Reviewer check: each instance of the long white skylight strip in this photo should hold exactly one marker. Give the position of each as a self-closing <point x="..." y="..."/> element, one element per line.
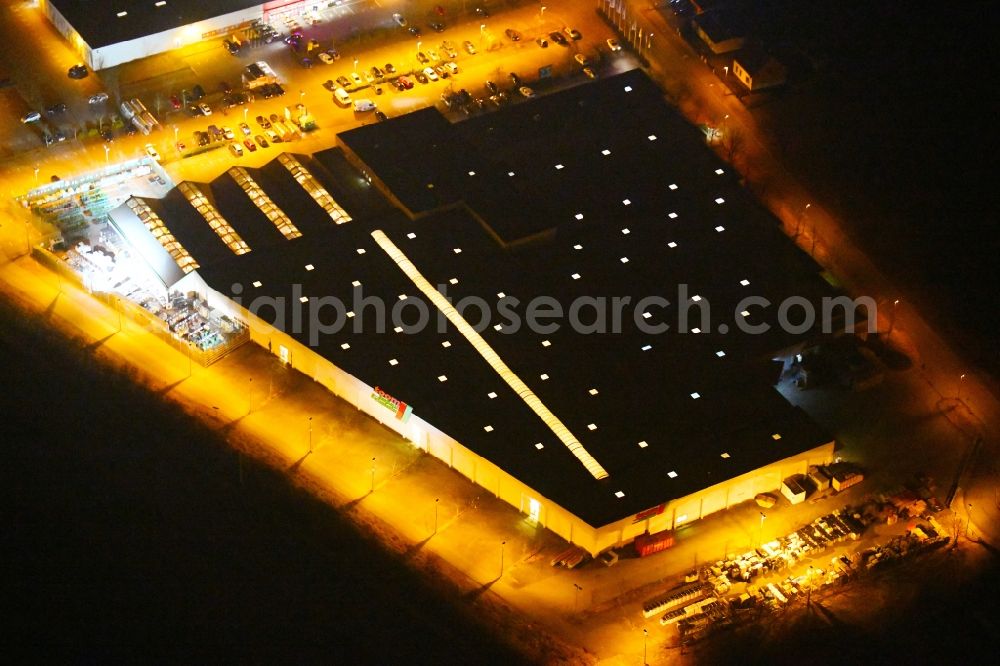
<point x="490" y="356"/>
<point x="263" y="202"/>
<point x="219" y="225"/>
<point x="162" y="235"/>
<point x="314" y="189"/>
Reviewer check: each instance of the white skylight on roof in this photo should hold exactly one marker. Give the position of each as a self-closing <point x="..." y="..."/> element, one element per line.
<point x="672" y="474"/>
<point x="672" y="216"/>
<point x="643" y="444"/>
<point x="776" y="436"/>
<point x="724" y="455"/>
<point x="719" y="171"/>
<point x="605" y="152"/>
<point x="592" y="391"/>
<point x="575" y="276"/>
<point x="651" y="137"/>
<point x="393" y="361"/>
<point x="647" y="315"/>
<point x="472" y="173"/>
<point x="498" y="327"/>
<point x="745" y="313"/>
<point x="488" y="428"/>
<point x="579" y="216"/>
<point x="591" y="426"/>
<point x="539" y="446"/>
<point x="744" y="282"/>
<point x="696" y="330"/>
<point x="720" y="353"/>
<point x="160" y="3"/>
<point x="696" y="298"/>
<point x="500" y="294"/>
<point x="256" y="283"/>
<point x="442" y="378"/>
<point x="577" y="247"/>
<point x="619" y="494"/>
<point x="356" y="283"/>
<point x="446" y="344"/>
<point x="720" y="200"/>
<point x="303" y="299"/>
<point x="398" y="329"/>
<point x="672" y="186"/>
<point x="695" y="395"/>
<point x="310" y="267"/>
<point x="624" y="260"/>
<point x="453" y="281"/>
<point x="626" y="202"/>
<point x="546" y="343"/>
<point x="491" y="395"/>
<point x="559" y="166"/>
<point x="671" y="244"/>
<point x="345" y="346"/>
<point x="720" y="228"/>
<point x="647" y="347"/>
<point x="543" y="376"/>
<point x="361" y="250"/>
<point x="411" y="235"/>
<point x="628" y="88"/>
<point x="121" y="14"/>
<point x="457" y="250"/>
<point x="626" y="231"/>
<point x="510" y="173"/>
<point x="402" y="297"/>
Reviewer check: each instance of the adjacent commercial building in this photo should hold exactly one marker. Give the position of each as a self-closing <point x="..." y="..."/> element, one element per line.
<point x="401" y="270"/>
<point x="106" y="34"/>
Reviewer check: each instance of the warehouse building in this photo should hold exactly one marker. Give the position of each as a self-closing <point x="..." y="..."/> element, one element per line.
<point x="106" y="34"/>
<point x="600" y="191"/>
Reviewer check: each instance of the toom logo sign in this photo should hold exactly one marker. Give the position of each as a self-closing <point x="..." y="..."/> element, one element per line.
<point x="649" y="513"/>
<point x="397" y="407"/>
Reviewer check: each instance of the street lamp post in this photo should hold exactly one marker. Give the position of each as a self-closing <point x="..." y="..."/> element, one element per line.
<point x="576" y="596"/>
<point x="249" y="395"/>
<point x="502" y="544"/>
<point x="36" y="175"/>
<point x="310" y="434"/>
<point x="961" y="382"/>
<point x="372" y="488"/>
<point x="436" y="500"/>
<point x="968" y="519"/>
<point x="355" y="65"/>
<point x="107" y="155"/>
<point x="892" y="319"/>
<point x="246" y="110"/>
<point x="726" y="67"/>
<point x="760" y="536"/>
<point x="645" y="636"/>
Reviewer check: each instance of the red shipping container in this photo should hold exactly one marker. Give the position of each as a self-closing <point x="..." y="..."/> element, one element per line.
<point x="647" y="544"/>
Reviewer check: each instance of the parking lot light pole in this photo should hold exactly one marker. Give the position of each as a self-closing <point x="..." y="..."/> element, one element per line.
<point x="36" y="175"/>
<point x="502" y="544"/>
<point x="760" y="536"/>
<point x="246" y="110"/>
<point x="645" y="637"/>
<point x="249" y="395"/>
<point x="576" y="596"/>
<point x="107" y="155"/>
<point x="961" y="382"/>
<point x="372" y="488"/>
<point x="968" y="519"/>
<point x="436" y="500"/>
<point x="310" y="434"/>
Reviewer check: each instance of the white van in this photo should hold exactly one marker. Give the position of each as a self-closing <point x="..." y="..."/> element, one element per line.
<point x="363" y="105"/>
<point x="341" y="97"/>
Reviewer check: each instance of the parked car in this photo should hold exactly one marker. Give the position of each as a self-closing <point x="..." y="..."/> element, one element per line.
<point x="380" y="116"/>
<point x="77" y="71"/>
<point x="236" y="149"/>
<point x="363" y="105"/>
<point x="325" y="58"/>
<point x="512" y="35"/>
<point x="356" y="79"/>
<point x="231" y="47"/>
<point x="151" y="151"/>
<point x="56" y="109"/>
<point x="197" y="92"/>
<point x="441" y="71"/>
<point x="422" y="58"/>
<point x="251" y="146"/>
<point x="492" y="87"/>
<point x="343" y="82"/>
<point x="98" y="98"/>
<point x="415" y="31"/>
<point x="390" y="68"/>
<point x="31" y="117"/>
<point x="437" y="26"/>
<point x="228" y="133"/>
<point x="541" y="41"/>
<point x="589" y="73"/>
<point x="515" y="79"/>
<point x="245" y="129"/>
<point x="421" y="77"/>
<point x="526" y="91"/>
<point x="400" y="21"/>
<point x="263" y="122"/>
<point x="430" y="74"/>
<point x="451" y="67"/>
<point x="205" y="109"/>
<point x="572" y="33"/>
<point x="378" y="73"/>
<point x="341" y="97"/>
<point x="175" y="102"/>
<point x="405" y="83"/>
<point x="558" y="38"/>
<point x="614" y="45"/>
<point x="261" y="141"/>
<point x="582" y="59"/>
<point x="469" y="47"/>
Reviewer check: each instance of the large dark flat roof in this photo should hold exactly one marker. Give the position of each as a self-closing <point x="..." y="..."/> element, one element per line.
<point x="630" y="393"/>
<point x="99" y="25"/>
